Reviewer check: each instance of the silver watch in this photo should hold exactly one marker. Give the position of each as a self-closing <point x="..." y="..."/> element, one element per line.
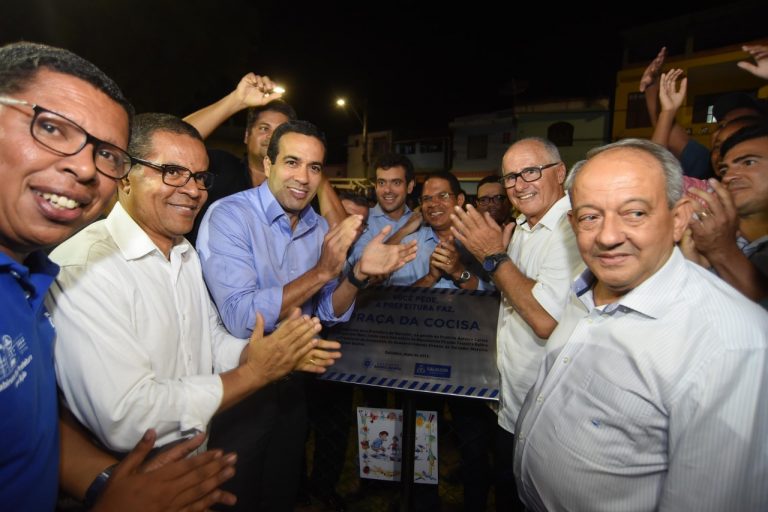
<point x="464" y="277"/>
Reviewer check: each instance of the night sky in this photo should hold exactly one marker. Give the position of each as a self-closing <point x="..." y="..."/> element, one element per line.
<point x="417" y="65"/>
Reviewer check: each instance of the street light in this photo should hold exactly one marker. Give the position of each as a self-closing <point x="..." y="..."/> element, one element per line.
<point x="342" y="103"/>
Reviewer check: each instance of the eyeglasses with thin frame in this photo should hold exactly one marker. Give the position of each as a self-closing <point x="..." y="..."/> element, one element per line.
<point x="178" y="176"/>
<point x="66" y="138"/>
<point x="486" y="200"/>
<point x="442" y="197"/>
<point x="528" y="174"/>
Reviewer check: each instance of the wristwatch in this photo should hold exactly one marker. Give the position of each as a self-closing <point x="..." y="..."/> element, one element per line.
<point x="356" y="282"/>
<point x="464" y="277"/>
<point x="97" y="487"/>
<point x="491" y="263"/>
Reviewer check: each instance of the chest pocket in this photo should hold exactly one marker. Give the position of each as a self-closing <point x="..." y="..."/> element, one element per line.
<point x="613" y="427"/>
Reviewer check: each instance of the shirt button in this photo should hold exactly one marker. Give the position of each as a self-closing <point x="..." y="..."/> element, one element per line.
<point x="566" y="360"/>
<point x="15" y="274"/>
<point x="521" y="436"/>
<point x="539" y="399"/>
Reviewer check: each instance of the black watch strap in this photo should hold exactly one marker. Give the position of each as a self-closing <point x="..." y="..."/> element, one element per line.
<point x="356" y="282"/>
<point x="493" y="261"/>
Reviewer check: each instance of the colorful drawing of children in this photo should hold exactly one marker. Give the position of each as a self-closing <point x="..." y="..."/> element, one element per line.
<point x="378" y="444"/>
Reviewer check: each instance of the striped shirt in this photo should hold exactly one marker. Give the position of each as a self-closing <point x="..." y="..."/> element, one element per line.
<point x="656" y="402"/>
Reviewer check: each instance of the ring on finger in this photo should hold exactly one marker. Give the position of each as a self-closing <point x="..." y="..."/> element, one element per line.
<point x="313" y="362"/>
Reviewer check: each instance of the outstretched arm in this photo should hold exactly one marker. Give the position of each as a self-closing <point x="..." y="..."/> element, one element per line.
<point x="671" y="97"/>
<point x="330" y="204"/>
<point x="167" y="482"/>
<point x="649" y="84"/>
<point x="252" y="91"/>
<point x="758" y="52"/>
<point x="676" y="138"/>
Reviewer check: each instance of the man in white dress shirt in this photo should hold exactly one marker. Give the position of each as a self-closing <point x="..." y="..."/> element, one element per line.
<point x="653" y="393"/>
<point x="139" y="341"/>
<point x="533" y="273"/>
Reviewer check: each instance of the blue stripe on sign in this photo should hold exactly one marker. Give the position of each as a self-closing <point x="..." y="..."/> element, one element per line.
<point x="382" y="381"/>
<point x="470" y="391"/>
<point x="350" y="377"/>
<point x="457" y="391"/>
<point x="371" y="380"/>
<point x="413" y="384"/>
<point x="391" y="382"/>
<point x="494" y="393"/>
<point x="341" y="376"/>
<point x="447" y="388"/>
<point x="402" y="383"/>
<point x="360" y="379"/>
<point x="424" y="386"/>
<point x="435" y="388"/>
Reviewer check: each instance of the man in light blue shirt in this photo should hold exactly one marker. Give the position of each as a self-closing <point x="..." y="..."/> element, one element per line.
<point x="265" y="250"/>
<point x="652" y="394"/>
<point x="394" y="181"/>
<point x="441" y="262"/>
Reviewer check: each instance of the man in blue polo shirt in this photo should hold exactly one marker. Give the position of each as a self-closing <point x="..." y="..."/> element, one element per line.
<point x="63" y="124"/>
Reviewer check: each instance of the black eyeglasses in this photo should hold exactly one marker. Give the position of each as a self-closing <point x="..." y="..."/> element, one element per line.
<point x="442" y="197"/>
<point x="67" y="138"/>
<point x="178" y="176"/>
<point x="486" y="200"/>
<point x="528" y="174"/>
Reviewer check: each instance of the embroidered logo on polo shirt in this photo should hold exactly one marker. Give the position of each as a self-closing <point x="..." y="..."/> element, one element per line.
<point x="14" y="358"/>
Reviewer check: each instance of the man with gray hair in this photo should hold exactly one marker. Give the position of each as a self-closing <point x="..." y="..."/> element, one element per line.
<point x="532" y="272"/>
<point x="652" y="395"/>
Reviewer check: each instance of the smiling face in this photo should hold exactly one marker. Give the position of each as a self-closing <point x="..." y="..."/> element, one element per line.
<point x="437" y="211"/>
<point x="624" y="227"/>
<point x="392" y="190"/>
<point x="46" y="197"/>
<point x="164" y="212"/>
<point x="533" y="199"/>
<point x="296" y="173"/>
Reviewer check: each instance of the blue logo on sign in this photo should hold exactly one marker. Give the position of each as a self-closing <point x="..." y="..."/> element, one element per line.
<point x="432" y="370"/>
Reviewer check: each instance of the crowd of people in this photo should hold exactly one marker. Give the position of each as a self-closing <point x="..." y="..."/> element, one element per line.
<point x="155" y="359"/>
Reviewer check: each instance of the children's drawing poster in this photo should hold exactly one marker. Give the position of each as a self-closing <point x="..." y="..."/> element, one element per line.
<point x="380" y="434"/>
<point x="425" y="461"/>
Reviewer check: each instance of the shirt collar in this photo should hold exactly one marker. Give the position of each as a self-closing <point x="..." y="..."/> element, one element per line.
<point x="273" y="211"/>
<point x="376" y="211"/>
<point x="651" y="298"/>
<point x="550" y="219"/>
<point x="35" y="275"/>
<point x="133" y="241"/>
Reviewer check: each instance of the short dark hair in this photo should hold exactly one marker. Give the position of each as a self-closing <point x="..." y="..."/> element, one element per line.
<point x="491" y="178"/>
<point x="355" y="198"/>
<point x="279" y="106"/>
<point x="390" y="160"/>
<point x="750" y="132"/>
<point x="727" y="102"/>
<point x="296" y="126"/>
<point x="20" y="63"/>
<point x="146" y="125"/>
<point x="452" y="180"/>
